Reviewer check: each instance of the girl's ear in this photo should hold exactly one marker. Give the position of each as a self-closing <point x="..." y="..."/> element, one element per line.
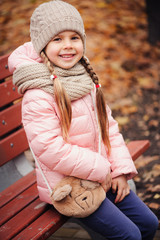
<point x="61" y="192"/>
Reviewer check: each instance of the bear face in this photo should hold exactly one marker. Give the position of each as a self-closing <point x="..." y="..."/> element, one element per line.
<point x="76" y="197"/>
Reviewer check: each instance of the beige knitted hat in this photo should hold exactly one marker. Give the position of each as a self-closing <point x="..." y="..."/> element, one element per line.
<point x="51" y="18"/>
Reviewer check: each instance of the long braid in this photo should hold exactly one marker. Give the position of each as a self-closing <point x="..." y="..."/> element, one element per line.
<point x="62" y="99"/>
<point x="101" y="106"/>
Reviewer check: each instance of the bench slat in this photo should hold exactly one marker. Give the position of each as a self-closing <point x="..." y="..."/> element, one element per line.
<point x="8" y="93"/>
<point x="44" y="226"/>
<point x="17" y="188"/>
<point x="137" y="148"/>
<point x="22" y="214"/>
<point x="23" y="219"/>
<point x="48" y="228"/>
<point x="4" y="71"/>
<point x="12" y="146"/>
<point x="10" y="118"/>
<point x="18" y="203"/>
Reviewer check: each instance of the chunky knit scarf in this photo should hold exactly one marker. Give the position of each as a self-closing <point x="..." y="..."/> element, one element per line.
<point x="76" y="80"/>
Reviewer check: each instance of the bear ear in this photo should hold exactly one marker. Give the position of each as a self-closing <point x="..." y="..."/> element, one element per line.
<point x="61" y="193"/>
<point x="89" y="184"/>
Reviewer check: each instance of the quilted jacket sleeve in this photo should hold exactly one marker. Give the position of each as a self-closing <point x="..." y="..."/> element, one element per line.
<point x="43" y="131"/>
<point x="120" y="159"/>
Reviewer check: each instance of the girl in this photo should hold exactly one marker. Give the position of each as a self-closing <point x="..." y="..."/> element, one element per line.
<point x="69" y="127"/>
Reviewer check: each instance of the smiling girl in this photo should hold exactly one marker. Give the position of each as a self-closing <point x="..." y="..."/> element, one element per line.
<point x="68" y="125"/>
<point x="65" y="50"/>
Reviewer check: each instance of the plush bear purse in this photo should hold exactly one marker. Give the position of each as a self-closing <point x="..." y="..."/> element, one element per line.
<point x="76" y="197"/>
<point x="73" y="196"/>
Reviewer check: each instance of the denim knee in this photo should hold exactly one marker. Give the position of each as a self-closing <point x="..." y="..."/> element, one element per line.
<point x="150" y="227"/>
<point x="133" y="235"/>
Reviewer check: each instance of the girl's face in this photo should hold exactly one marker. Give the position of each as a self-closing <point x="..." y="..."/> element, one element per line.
<point x="65" y="49"/>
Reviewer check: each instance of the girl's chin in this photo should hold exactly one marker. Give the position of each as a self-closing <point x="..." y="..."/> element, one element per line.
<point x="66" y="64"/>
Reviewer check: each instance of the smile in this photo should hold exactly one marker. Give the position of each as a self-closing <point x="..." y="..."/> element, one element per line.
<point x="67" y="56"/>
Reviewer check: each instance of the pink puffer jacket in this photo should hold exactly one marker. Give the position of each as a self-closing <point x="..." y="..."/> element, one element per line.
<point x="79" y="157"/>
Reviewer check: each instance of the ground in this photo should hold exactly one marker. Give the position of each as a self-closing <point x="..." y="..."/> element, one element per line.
<point x="126" y="64"/>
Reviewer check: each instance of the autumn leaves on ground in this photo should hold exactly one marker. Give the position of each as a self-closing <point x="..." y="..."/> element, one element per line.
<point x="127" y="65"/>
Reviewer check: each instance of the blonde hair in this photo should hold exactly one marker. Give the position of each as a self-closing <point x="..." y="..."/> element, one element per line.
<point x="62" y="99"/>
<point x="64" y="104"/>
<point x="100" y="103"/>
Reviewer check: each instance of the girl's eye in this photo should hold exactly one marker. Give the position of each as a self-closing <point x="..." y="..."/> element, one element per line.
<point x="57" y="39"/>
<point x="75" y="38"/>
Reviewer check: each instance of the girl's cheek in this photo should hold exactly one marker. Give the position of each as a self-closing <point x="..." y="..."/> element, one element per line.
<point x="53" y="52"/>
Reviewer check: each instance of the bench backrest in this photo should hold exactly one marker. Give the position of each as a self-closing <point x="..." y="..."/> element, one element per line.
<point x="13" y="140"/>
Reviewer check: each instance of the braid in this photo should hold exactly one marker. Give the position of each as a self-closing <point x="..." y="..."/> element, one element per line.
<point x="101" y="105"/>
<point x="62" y="99"/>
<point x="89" y="69"/>
<point x="47" y="62"/>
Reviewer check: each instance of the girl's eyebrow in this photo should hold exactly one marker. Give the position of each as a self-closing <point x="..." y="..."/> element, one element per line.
<point x="75" y="34"/>
<point x="57" y="36"/>
<point x="61" y="35"/>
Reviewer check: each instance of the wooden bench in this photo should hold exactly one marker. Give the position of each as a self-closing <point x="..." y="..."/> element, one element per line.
<point x="22" y="214"/>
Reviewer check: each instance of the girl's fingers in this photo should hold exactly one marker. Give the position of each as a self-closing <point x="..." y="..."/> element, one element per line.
<point x="121" y="194"/>
<point x="114" y="187"/>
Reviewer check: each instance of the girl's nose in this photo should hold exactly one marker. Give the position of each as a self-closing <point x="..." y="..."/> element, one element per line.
<point x="67" y="43"/>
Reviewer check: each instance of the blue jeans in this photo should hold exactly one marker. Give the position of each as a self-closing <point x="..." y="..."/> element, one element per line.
<point x="130" y="219"/>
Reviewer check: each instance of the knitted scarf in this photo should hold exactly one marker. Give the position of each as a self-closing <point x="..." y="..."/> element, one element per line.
<point x="75" y="80"/>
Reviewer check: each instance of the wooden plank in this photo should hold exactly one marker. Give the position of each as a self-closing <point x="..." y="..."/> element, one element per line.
<point x="18" y="203"/>
<point x="12" y="146"/>
<point x="4" y="70"/>
<point x="8" y="93"/>
<point x="23" y="219"/>
<point x="43" y="227"/>
<point x="17" y="188"/>
<point x="10" y="118"/>
<point x="48" y="223"/>
<point x="137" y="148"/>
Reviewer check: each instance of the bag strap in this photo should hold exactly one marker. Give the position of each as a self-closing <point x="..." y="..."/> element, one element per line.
<point x="40" y="169"/>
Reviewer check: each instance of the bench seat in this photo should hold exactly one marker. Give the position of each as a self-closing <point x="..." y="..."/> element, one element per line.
<point x="24" y="216"/>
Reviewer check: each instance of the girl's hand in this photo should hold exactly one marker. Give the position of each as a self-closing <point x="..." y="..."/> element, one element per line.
<point x="107" y="183"/>
<point x="120" y="185"/>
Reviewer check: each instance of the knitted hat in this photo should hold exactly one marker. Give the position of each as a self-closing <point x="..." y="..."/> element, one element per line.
<point x="51" y="18"/>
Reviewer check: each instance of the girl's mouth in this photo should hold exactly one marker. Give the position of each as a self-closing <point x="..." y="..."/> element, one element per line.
<point x="67" y="56"/>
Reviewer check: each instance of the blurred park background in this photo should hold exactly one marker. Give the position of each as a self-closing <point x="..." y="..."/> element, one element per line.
<point x="127" y="61"/>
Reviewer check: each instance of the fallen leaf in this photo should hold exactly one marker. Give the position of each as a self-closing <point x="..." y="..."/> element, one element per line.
<point x="145" y="82"/>
<point x="154" y="205"/>
<point x="156" y="196"/>
<point x="129" y="109"/>
<point x="122" y="120"/>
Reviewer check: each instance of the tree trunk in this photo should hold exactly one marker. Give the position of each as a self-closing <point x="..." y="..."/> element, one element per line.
<point x="153" y="14"/>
